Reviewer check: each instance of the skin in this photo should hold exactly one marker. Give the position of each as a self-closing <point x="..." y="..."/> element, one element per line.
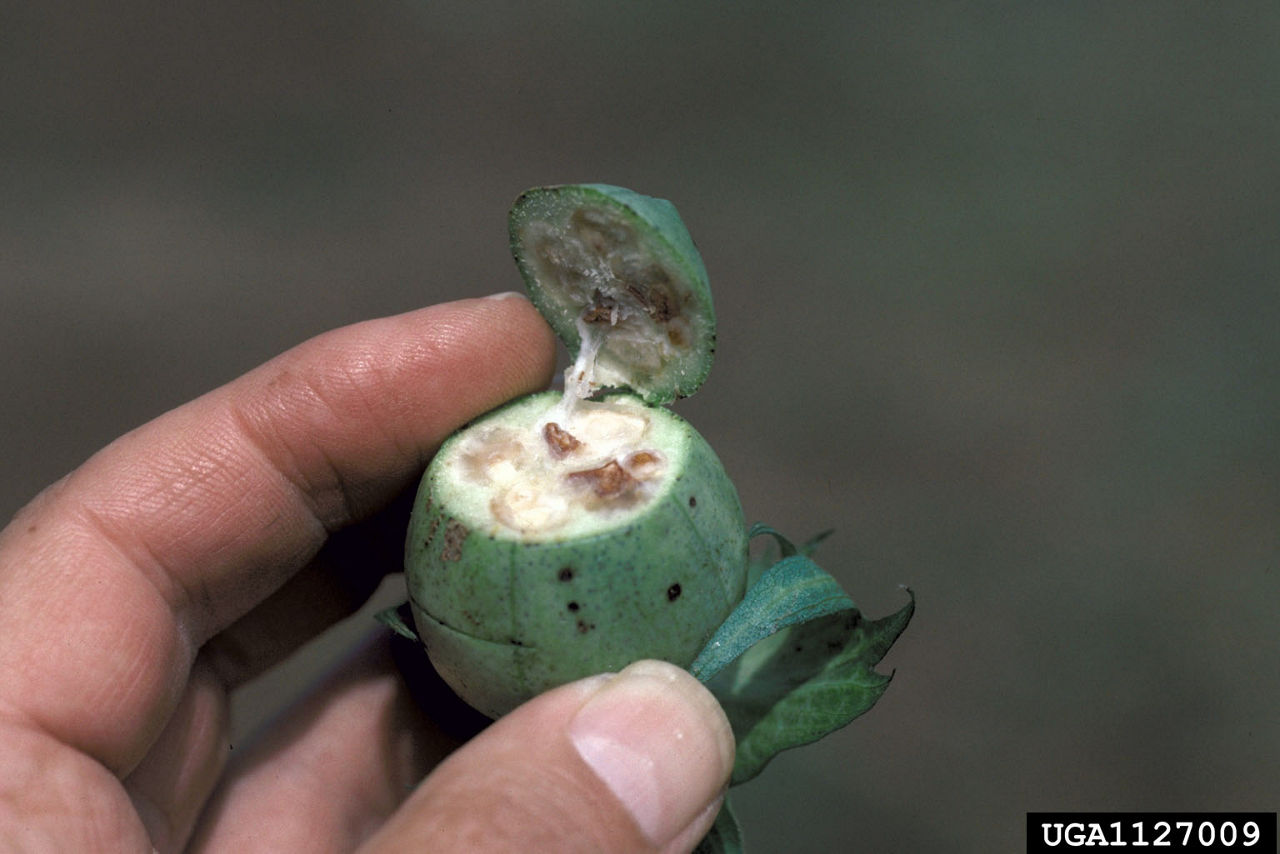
<point x="202" y="548"/>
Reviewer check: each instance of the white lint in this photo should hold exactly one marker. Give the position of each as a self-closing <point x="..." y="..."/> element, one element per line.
<point x="548" y="474"/>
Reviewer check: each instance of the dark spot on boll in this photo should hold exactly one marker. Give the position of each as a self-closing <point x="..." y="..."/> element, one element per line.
<point x="565" y="573"/>
<point x="673" y="592"/>
<point x="693" y="502"/>
<point x="515" y="642"/>
<point x="584" y="627"/>
<point x="574" y="606"/>
<point x="455" y="534"/>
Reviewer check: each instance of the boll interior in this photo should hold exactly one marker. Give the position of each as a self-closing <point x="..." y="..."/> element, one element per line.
<point x="618" y="278"/>
<point x="633" y="321"/>
<point x="561" y="467"/>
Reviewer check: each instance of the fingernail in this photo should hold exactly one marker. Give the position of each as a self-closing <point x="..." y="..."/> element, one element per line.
<point x="660" y="742"/>
<point x="505" y="295"/>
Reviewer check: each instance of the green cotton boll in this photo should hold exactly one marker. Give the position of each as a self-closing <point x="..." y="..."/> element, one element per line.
<point x="551" y="543"/>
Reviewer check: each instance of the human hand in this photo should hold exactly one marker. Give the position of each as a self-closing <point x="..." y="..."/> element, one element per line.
<point x="202" y="548"/>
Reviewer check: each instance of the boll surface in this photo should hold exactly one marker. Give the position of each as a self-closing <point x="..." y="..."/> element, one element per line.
<point x="551" y="542"/>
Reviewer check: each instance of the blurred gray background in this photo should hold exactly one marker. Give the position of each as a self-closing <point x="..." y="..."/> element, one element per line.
<point x="997" y="291"/>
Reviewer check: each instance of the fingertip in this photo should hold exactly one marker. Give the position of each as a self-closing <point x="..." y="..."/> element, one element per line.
<point x="660" y="742"/>
<point x="506" y="295"/>
<point x="514" y="329"/>
<point x="634" y="761"/>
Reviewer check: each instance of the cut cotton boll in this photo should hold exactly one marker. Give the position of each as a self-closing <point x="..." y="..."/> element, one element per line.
<point x="534" y="561"/>
<point x="548" y="536"/>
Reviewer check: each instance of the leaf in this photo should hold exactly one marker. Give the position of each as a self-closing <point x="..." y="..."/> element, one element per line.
<point x="399" y="619"/>
<point x="805" y="682"/>
<point x="794" y="590"/>
<point x="781" y="547"/>
<point x="811" y="545"/>
<point x="795" y="660"/>
<point x="725" y="837"/>
<point x="785" y="545"/>
<point x="881" y="633"/>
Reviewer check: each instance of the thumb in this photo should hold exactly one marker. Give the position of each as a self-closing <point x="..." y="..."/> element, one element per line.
<point x="636" y="761"/>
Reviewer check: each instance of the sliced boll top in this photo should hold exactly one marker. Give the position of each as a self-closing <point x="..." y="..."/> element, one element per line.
<point x="617" y="276"/>
<point x="535" y="471"/>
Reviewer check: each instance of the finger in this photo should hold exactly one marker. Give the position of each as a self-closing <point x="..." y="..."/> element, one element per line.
<point x="53" y="798"/>
<point x="330" y="588"/>
<point x="331" y="770"/>
<point x="634" y="762"/>
<point x="170" y="785"/>
<point x="111" y="580"/>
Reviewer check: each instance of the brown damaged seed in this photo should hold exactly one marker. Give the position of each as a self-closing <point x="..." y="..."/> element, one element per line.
<point x="655" y="299"/>
<point x="642" y="464"/>
<point x="602" y="309"/>
<point x="609" y="481"/>
<point x="559" y="440"/>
